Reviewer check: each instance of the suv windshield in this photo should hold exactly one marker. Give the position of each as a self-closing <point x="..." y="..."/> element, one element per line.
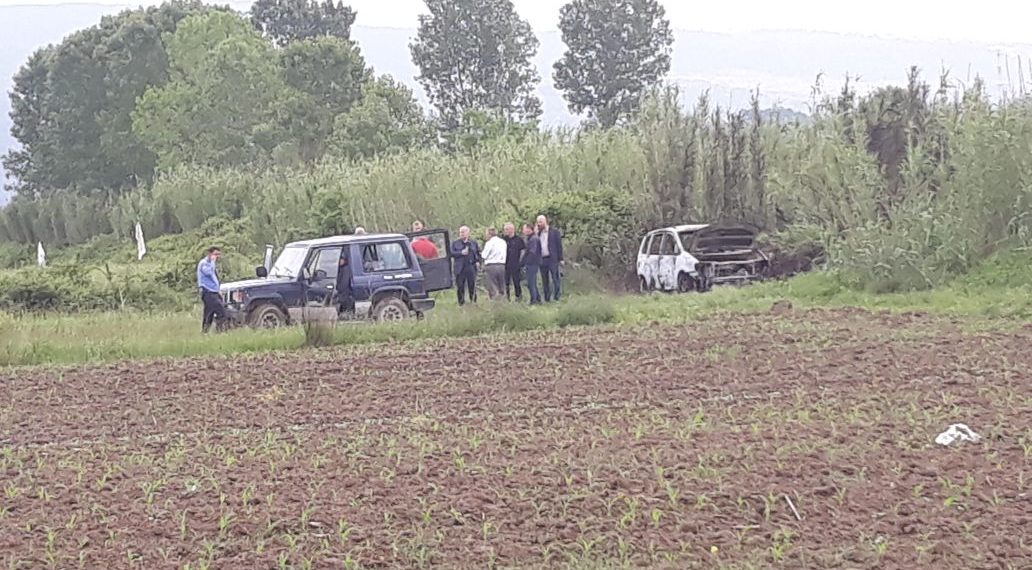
<point x="289" y="262"/>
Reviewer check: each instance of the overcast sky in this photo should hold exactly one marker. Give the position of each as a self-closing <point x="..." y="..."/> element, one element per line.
<point x="993" y="21"/>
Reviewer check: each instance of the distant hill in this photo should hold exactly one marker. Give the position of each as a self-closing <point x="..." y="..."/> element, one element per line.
<point x="783" y="65"/>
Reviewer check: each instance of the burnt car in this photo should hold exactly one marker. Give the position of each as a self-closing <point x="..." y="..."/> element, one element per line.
<point x="393" y="276"/>
<point x="697" y="257"/>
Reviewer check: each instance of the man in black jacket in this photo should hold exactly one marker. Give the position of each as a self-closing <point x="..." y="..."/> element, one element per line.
<point x="466" y="256"/>
<point x="345" y="294"/>
<point x="514" y="252"/>
<point x="532" y="263"/>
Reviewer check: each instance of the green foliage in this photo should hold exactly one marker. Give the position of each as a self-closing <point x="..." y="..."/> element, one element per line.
<point x="330" y="74"/>
<point x="516" y="318"/>
<point x="479" y="128"/>
<point x="287" y="21"/>
<point x="71" y="104"/>
<point x="318" y="335"/>
<point x="104" y="274"/>
<point x="221" y="105"/>
<point x="961" y="195"/>
<point x="59" y="218"/>
<point x="601" y="75"/>
<point x="1006" y="269"/>
<point x="598" y="224"/>
<point x="14" y="255"/>
<point x="387" y="119"/>
<point x="585" y="312"/>
<point x="896" y="191"/>
<point x="95" y="337"/>
<point x="476" y="55"/>
<point x="72" y="288"/>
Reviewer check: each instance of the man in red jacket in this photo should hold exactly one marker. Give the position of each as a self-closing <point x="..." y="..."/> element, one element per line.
<point x="422" y="246"/>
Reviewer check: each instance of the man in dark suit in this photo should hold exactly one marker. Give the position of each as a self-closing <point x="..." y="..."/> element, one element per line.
<point x="515" y="245"/>
<point x="531" y="262"/>
<point x="466" y="256"/>
<point x="345" y="293"/>
<point x="551" y="258"/>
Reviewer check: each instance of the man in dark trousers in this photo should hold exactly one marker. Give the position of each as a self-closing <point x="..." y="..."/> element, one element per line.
<point x="208" y="283"/>
<point x="551" y="258"/>
<point x="531" y="262"/>
<point x="345" y="295"/>
<point x="466" y="255"/>
<point x="514" y="252"/>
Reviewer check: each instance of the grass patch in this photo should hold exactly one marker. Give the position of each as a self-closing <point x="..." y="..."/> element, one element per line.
<point x="318" y="335"/>
<point x="585" y="312"/>
<point x="100" y="337"/>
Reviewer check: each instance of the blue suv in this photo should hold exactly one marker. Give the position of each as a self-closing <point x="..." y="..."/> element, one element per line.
<point x="392" y="278"/>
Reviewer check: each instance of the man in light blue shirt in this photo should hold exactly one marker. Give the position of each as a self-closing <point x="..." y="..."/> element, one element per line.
<point x="208" y="283"/>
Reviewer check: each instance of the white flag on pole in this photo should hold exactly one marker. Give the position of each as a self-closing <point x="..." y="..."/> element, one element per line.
<point x="41" y="256"/>
<point x="141" y="246"/>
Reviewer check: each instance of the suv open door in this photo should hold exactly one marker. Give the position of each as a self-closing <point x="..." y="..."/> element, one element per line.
<point x="432" y="251"/>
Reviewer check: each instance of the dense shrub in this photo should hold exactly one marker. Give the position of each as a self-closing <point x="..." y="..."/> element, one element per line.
<point x="899" y="189"/>
<point x="75" y="288"/>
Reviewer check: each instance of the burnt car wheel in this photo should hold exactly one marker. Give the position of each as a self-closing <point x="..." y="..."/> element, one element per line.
<point x="391" y="309"/>
<point x="268" y="317"/>
<point x="644" y="286"/>
<point x="685" y="283"/>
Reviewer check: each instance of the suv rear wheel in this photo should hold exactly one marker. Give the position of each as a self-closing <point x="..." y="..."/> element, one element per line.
<point x="267" y="317"/>
<point x="390" y="309"/>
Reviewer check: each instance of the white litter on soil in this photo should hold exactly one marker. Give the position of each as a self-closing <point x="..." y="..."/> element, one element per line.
<point x="957" y="433"/>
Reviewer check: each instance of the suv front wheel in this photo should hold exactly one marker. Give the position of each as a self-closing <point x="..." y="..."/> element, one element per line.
<point x="390" y="309"/>
<point x="267" y="317"/>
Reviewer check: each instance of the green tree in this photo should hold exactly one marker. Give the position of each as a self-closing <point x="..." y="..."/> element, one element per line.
<point x="28" y="165"/>
<point x="616" y="51"/>
<point x="475" y="55"/>
<point x="223" y="103"/>
<point x="330" y="73"/>
<point x="479" y="128"/>
<point x="71" y="104"/>
<point x="286" y="21"/>
<point x="387" y="119"/>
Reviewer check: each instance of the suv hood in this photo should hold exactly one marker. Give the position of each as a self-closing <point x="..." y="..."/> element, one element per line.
<point x="249" y="283"/>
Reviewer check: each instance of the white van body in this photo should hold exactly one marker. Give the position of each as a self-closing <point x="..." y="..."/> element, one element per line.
<point x="663" y="260"/>
<point x="694" y="257"/>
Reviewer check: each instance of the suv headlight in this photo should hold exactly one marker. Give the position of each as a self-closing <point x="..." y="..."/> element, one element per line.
<point x="237" y="297"/>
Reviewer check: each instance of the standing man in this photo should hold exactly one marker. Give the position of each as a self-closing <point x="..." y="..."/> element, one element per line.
<point x="513" y="255"/>
<point x="532" y="263"/>
<point x="551" y="258"/>
<point x="466" y="254"/>
<point x="345" y="293"/>
<point x="422" y="246"/>
<point x="495" y="253"/>
<point x="208" y="283"/>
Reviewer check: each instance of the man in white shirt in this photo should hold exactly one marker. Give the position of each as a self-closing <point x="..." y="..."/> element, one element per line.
<point x="494" y="255"/>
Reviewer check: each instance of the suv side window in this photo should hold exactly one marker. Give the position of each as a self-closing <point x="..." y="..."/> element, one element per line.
<point x="644" y="249"/>
<point x="325" y="260"/>
<point x="654" y="244"/>
<point x="668" y="247"/>
<point x="389" y="256"/>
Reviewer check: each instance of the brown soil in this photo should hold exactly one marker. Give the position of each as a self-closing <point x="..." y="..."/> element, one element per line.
<point x="670" y="447"/>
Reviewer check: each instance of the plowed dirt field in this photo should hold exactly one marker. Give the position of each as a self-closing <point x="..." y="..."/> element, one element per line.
<point x="802" y="440"/>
